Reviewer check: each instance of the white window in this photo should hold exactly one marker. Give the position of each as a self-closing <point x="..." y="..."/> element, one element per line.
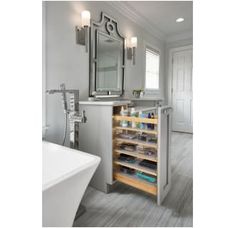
<point x="152" y="69"/>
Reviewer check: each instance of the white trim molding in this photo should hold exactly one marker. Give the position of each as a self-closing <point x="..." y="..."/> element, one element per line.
<point x="126" y="10"/>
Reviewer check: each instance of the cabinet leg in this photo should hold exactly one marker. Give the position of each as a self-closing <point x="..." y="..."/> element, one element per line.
<point x="109" y="188"/>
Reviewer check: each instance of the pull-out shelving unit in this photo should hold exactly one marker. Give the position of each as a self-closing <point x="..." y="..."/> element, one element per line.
<point x="153" y="179"/>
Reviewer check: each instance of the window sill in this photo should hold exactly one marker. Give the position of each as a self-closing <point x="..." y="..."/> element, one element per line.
<point x="152" y="92"/>
<point x="147" y="99"/>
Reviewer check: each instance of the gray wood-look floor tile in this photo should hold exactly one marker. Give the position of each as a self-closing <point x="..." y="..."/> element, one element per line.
<point x="129" y="207"/>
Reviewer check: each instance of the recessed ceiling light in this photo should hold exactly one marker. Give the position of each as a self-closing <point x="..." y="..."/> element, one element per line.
<point x="180" y="19"/>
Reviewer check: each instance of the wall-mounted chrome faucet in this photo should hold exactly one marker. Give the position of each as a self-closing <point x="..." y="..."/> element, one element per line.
<point x="73" y="112"/>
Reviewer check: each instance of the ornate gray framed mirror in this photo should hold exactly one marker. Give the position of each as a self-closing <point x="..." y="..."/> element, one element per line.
<point x="107" y="58"/>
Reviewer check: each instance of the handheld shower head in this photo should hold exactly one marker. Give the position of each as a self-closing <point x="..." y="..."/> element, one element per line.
<point x="64" y="99"/>
<point x="62" y="90"/>
<point x="50" y="91"/>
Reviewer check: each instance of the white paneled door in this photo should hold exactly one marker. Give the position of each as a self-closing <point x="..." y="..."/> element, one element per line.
<point x="182" y="99"/>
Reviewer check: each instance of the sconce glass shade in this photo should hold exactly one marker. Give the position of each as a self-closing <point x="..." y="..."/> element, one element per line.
<point x="86" y="16"/>
<point x="134" y="42"/>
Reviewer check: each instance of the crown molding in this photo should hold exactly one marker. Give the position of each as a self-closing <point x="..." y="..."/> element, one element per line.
<point x="188" y="34"/>
<point x="127" y="11"/>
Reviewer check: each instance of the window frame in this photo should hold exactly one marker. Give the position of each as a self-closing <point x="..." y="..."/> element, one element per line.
<point x="156" y="50"/>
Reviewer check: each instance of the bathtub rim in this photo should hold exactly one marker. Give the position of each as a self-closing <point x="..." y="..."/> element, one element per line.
<point x="95" y="161"/>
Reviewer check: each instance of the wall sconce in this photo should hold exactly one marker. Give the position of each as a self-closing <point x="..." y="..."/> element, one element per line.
<point x="82" y="34"/>
<point x="131" y="51"/>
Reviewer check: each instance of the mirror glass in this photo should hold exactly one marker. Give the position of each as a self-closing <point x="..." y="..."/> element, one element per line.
<point x="107" y="58"/>
<point x="109" y="63"/>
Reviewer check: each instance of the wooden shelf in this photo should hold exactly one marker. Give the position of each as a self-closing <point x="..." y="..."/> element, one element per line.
<point x="136" y="141"/>
<point x="137" y="167"/>
<point x="134" y="181"/>
<point x="135" y="119"/>
<point x="136" y="154"/>
<point x="153" y="132"/>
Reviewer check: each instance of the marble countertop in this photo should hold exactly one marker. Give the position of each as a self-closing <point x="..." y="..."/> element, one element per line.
<point x="147" y="99"/>
<point x="124" y="101"/>
<point x="108" y="102"/>
<point x="144" y="108"/>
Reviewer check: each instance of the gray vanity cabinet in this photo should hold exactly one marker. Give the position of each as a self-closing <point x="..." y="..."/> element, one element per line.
<point x="95" y="137"/>
<point x="99" y="136"/>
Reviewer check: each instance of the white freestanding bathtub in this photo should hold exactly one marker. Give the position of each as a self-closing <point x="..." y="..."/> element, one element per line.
<point x="66" y="175"/>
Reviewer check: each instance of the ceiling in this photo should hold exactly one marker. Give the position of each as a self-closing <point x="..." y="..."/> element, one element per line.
<point x="160" y="16"/>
